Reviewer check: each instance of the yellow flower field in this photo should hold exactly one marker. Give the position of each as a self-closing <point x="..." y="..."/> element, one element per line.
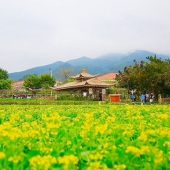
<point x="87" y="137"/>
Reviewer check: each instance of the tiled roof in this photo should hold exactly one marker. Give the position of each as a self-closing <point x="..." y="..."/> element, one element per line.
<point x="93" y="82"/>
<point x="16" y="83"/>
<point x="108" y="76"/>
<point x="83" y="74"/>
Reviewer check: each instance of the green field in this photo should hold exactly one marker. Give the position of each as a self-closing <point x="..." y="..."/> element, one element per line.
<point x="92" y="137"/>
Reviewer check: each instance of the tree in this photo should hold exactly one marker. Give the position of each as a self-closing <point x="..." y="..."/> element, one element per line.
<point x="35" y="83"/>
<point x="32" y="82"/>
<point x="64" y="73"/>
<point x="147" y="77"/>
<point x="5" y="83"/>
<point x="47" y="81"/>
<point x="3" y="74"/>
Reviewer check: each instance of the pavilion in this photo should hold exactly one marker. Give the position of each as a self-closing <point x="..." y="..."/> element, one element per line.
<point x="85" y="84"/>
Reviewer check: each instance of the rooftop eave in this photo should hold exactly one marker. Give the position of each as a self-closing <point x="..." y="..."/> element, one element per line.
<point x="81" y="86"/>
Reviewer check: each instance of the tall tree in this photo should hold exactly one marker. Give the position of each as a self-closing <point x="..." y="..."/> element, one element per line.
<point x="64" y="73"/>
<point x="36" y="82"/>
<point x="47" y="81"/>
<point x="152" y="76"/>
<point x="3" y="74"/>
<point x="32" y="81"/>
<point x="5" y="83"/>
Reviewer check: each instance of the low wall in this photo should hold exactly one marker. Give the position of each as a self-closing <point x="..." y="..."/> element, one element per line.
<point x="165" y="100"/>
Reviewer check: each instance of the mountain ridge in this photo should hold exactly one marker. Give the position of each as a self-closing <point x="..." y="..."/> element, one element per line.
<point x="103" y="64"/>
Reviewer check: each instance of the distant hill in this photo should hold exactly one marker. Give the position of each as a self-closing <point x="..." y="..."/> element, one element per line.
<point x="103" y="64"/>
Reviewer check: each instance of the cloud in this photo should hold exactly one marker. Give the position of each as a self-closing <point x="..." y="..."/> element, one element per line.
<point x="41" y="32"/>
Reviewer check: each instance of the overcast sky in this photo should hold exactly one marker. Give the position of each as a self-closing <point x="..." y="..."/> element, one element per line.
<point x="40" y="32"/>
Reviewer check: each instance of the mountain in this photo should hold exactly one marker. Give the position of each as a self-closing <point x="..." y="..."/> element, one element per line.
<point x="37" y="70"/>
<point x="102" y="64"/>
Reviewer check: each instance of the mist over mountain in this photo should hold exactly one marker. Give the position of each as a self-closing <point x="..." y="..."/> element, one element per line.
<point x="102" y="64"/>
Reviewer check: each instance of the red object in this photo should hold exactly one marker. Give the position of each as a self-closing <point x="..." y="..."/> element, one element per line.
<point x="114" y="97"/>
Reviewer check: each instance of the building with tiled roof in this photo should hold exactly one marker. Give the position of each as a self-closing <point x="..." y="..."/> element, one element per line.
<point x="85" y="84"/>
<point x="18" y="86"/>
<point x="108" y="76"/>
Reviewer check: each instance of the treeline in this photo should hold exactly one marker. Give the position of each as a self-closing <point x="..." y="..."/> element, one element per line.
<point x="147" y="77"/>
<point x="151" y="76"/>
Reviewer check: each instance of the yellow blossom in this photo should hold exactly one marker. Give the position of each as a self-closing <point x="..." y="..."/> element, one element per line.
<point x="2" y="155"/>
<point x="158" y="157"/>
<point x="94" y="166"/>
<point x="120" y="167"/>
<point x="133" y="150"/>
<point x="15" y="159"/>
<point x="96" y="156"/>
<point x="163" y="116"/>
<point x="144" y="150"/>
<point x="66" y="159"/>
<point x="42" y="162"/>
<point x="101" y="128"/>
<point x="143" y="136"/>
<point x="167" y="143"/>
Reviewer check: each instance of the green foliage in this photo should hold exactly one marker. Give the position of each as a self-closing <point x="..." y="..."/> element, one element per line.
<point x="32" y="81"/>
<point x="47" y="81"/>
<point x="67" y="96"/>
<point x="147" y="77"/>
<point x="5" y="83"/>
<point x="35" y="82"/>
<point x="3" y="74"/>
<point x="114" y="90"/>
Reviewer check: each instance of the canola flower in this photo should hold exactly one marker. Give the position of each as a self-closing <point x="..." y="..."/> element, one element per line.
<point x="79" y="137"/>
<point x="120" y="167"/>
<point x="68" y="161"/>
<point x="2" y="155"/>
<point x="133" y="150"/>
<point x="42" y="162"/>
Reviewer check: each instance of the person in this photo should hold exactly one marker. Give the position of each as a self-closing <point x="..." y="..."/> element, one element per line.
<point x="100" y="95"/>
<point x="132" y="97"/>
<point x="146" y="97"/>
<point x="151" y="98"/>
<point x="143" y="98"/>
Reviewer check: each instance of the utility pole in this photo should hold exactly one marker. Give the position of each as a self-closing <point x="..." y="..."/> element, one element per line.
<point x="51" y="73"/>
